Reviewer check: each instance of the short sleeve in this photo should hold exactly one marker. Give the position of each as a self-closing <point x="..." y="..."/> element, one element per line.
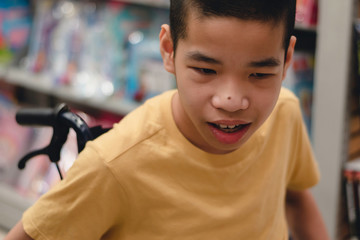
<point x="85" y="205"/>
<point x="303" y="170"/>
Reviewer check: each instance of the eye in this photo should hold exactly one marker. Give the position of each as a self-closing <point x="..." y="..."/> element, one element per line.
<point x="205" y="71"/>
<point x="260" y="75"/>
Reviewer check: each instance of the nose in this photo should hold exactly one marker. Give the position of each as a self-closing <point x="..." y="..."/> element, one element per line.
<point x="231" y="98"/>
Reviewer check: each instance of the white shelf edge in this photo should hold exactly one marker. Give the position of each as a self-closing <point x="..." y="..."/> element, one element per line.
<point x="12" y="206"/>
<point x="151" y="3"/>
<point x="303" y="27"/>
<point x="2" y="71"/>
<point x="40" y="83"/>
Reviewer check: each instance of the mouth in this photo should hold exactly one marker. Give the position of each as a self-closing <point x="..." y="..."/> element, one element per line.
<point x="229" y="133"/>
<point x="229" y="128"/>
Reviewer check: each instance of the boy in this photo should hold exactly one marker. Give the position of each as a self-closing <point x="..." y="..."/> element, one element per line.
<point x="225" y="156"/>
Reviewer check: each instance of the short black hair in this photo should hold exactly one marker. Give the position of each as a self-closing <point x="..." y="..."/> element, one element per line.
<point x="276" y="11"/>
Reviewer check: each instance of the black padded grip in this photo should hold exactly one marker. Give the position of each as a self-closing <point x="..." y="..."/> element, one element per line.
<point x="36" y="116"/>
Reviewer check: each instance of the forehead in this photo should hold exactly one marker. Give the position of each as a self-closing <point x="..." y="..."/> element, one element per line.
<point x="194" y="15"/>
<point x="230" y="37"/>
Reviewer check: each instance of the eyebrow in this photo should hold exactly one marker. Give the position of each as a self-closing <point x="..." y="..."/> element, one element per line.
<point x="267" y="62"/>
<point x="200" y="57"/>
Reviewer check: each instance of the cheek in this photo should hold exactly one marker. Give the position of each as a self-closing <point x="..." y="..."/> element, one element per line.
<point x="266" y="103"/>
<point x="194" y="98"/>
<point x="193" y="93"/>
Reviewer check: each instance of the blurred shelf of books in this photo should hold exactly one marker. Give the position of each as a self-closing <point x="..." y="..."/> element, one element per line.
<point x="349" y="211"/>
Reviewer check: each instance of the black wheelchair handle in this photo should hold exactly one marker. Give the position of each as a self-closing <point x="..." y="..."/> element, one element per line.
<point x="39" y="116"/>
<point x="61" y="119"/>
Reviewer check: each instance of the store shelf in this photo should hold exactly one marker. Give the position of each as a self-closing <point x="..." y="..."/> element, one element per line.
<point x="332" y="74"/>
<point x="305" y="28"/>
<point x="12" y="206"/>
<point x="2" y="72"/>
<point x="153" y="3"/>
<point x="306" y="38"/>
<point x="40" y="83"/>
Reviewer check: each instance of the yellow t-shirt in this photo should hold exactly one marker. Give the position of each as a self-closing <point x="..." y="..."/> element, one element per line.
<point x="144" y="180"/>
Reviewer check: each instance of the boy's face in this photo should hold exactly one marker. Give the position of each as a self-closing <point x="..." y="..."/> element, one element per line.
<point x="229" y="74"/>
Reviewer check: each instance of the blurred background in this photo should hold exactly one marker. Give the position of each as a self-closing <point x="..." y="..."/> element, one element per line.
<point x="102" y="59"/>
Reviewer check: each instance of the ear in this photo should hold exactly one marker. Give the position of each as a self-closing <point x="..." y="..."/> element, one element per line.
<point x="289" y="55"/>
<point x="167" y="49"/>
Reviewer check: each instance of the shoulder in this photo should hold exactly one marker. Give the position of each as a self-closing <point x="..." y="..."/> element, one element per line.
<point x="143" y="125"/>
<point x="286" y="114"/>
<point x="287" y="106"/>
<point x="287" y="97"/>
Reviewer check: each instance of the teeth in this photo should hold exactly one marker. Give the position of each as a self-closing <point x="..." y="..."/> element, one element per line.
<point x="228" y="126"/>
<point x="223" y="126"/>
